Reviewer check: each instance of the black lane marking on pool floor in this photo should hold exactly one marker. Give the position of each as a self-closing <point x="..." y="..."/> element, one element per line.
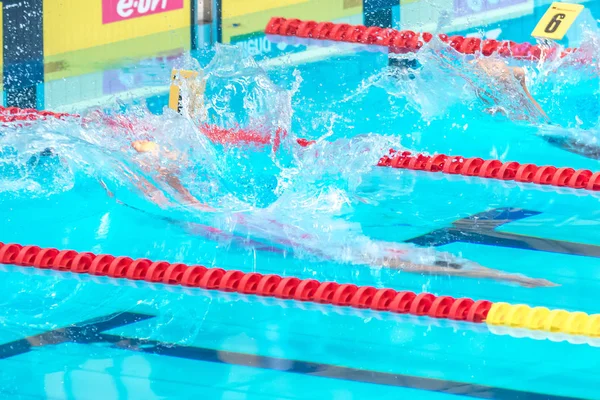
<point x="81" y="332"/>
<point x="90" y="332"/>
<point x="480" y="229"/>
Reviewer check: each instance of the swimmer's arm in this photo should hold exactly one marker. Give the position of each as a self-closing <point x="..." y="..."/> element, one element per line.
<point x="478" y="91"/>
<point x="486" y="273"/>
<point x="520" y="75"/>
<point x="413" y="268"/>
<point x="105" y="187"/>
<point x="167" y="175"/>
<point x="176" y="184"/>
<point x="149" y="190"/>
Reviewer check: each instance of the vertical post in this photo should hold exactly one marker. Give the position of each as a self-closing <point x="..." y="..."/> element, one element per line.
<point x="193" y="24"/>
<point x="23" y="38"/>
<point x="378" y="12"/>
<point x="217" y="21"/>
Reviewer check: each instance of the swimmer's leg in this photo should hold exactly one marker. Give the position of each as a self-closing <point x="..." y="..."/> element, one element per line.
<point x="427" y="261"/>
<point x="105" y="187"/>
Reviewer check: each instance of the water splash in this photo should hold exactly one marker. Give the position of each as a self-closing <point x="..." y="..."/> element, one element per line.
<point x="249" y="188"/>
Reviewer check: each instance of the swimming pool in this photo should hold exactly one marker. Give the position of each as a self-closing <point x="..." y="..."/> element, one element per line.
<point x="85" y="336"/>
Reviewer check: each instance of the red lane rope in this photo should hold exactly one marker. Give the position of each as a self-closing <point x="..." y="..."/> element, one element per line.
<point x="287" y="288"/>
<point x="213" y="133"/>
<point x="14" y="114"/>
<point x="494" y="169"/>
<point x="453" y="165"/>
<point x="324" y="309"/>
<point x="400" y="41"/>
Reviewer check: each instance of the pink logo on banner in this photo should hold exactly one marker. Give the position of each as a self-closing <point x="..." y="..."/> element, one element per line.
<point x="121" y="10"/>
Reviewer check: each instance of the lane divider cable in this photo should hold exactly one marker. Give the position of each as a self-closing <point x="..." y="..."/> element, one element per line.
<point x="499" y="314"/>
<point x="453" y="165"/>
<point x="494" y="169"/>
<point x="287" y="288"/>
<point x="405" y="41"/>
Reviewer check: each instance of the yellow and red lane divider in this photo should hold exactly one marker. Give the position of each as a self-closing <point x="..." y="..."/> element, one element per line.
<point x="304" y="290"/>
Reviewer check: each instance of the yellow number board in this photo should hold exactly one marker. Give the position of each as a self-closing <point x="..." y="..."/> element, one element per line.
<point x="175" y="90"/>
<point x="557" y="20"/>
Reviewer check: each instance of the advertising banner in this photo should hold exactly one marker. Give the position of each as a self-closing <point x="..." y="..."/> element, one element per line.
<point x="242" y="18"/>
<point x="259" y="46"/>
<point x="464" y="8"/>
<point x="450" y="16"/>
<point x="147" y="73"/>
<point x="82" y="37"/>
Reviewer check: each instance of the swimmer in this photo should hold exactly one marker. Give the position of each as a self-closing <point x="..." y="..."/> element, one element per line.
<point x="506" y="80"/>
<point x="466" y="270"/>
<point x="427" y="261"/>
<point x="574" y="145"/>
<point x="504" y="77"/>
<point x="353" y="247"/>
<point x="509" y="80"/>
<point x="356" y="249"/>
<point x="167" y="175"/>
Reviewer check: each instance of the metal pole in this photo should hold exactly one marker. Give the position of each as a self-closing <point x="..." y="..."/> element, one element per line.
<point x="193" y="24"/>
<point x="378" y="12"/>
<point x="23" y="38"/>
<point x="217" y="21"/>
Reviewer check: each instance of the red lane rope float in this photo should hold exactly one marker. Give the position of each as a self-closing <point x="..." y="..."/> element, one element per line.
<point x="324" y="309"/>
<point x="400" y="41"/>
<point x="242" y="136"/>
<point x="494" y="169"/>
<point x="287" y="288"/>
<point x="14" y="114"/>
<point x="454" y="165"/>
<point x="213" y="133"/>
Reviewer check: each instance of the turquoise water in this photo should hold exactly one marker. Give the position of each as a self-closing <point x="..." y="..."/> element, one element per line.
<point x="164" y="342"/>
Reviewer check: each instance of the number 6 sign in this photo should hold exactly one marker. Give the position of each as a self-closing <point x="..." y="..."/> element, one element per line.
<point x="557" y="20"/>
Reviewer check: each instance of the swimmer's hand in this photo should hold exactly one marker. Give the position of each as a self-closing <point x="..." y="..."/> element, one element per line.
<point x="145" y="146"/>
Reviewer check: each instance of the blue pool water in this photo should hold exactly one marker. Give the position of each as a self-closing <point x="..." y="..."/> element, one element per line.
<point x="141" y="341"/>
